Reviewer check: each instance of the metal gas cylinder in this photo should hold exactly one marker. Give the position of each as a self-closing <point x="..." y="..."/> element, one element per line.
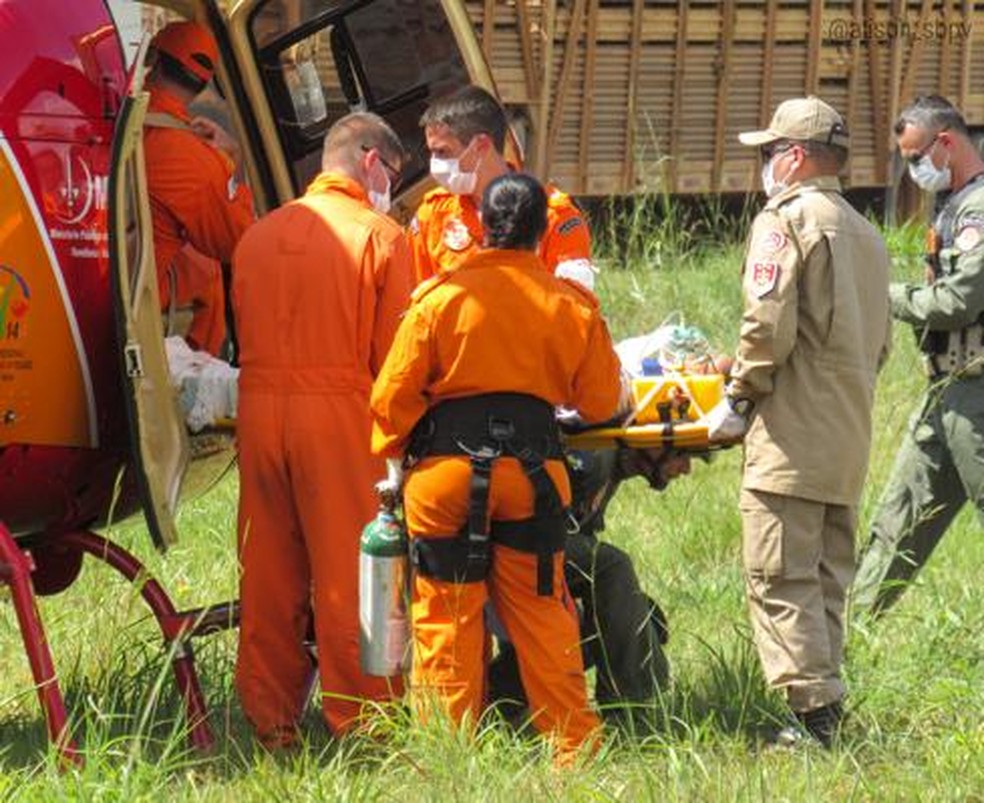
<point x="384" y="622"/>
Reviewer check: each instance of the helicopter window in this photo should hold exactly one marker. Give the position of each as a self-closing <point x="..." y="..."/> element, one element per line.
<point x="321" y="59"/>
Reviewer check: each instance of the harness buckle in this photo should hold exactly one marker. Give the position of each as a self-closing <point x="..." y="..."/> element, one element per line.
<point x="501" y="429"/>
<point x="483" y="454"/>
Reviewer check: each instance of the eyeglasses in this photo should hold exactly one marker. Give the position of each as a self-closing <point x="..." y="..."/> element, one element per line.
<point x="773" y="148"/>
<point x="917" y="156"/>
<point x="394" y="174"/>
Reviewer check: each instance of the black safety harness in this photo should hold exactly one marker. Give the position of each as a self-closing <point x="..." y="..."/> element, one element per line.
<point x="484" y="428"/>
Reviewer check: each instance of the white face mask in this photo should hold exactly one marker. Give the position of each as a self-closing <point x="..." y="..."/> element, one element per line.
<point x="769" y="183"/>
<point x="448" y="173"/>
<point x="381" y="201"/>
<point x="930" y="177"/>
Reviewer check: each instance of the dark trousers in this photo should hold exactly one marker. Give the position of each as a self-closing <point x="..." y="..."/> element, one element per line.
<point x="622" y="631"/>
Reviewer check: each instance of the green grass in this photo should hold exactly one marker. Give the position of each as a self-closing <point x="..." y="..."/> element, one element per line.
<point x="916" y="679"/>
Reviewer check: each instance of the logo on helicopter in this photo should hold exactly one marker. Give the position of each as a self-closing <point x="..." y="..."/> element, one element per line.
<point x="71" y="188"/>
<point x="15" y="303"/>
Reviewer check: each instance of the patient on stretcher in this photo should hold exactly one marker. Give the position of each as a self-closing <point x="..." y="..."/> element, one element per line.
<point x="207" y="386"/>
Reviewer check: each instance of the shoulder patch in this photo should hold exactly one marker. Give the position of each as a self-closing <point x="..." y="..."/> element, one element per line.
<point x="414" y="225"/>
<point x="771" y="242"/>
<point x="232" y="187"/>
<point x="569" y="225"/>
<point x="765" y="276"/>
<point x="456" y="235"/>
<point x="969" y="237"/>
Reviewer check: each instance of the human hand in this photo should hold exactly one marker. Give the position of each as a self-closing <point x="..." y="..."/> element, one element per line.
<point x="393" y="483"/>
<point x="216" y="136"/>
<point x="724" y="423"/>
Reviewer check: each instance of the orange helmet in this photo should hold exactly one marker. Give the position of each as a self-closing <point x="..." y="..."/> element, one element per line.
<point x="191" y="45"/>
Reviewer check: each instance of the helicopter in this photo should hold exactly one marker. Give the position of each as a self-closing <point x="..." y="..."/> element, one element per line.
<point x="91" y="428"/>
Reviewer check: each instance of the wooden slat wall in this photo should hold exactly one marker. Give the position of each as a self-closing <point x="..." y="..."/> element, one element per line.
<point x="656" y="116"/>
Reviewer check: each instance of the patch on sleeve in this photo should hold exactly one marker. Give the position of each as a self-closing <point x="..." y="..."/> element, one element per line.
<point x="772" y="242"/>
<point x="569" y="225"/>
<point x="456" y="235"/>
<point x="232" y="187"/>
<point x="764" y="277"/>
<point x="969" y="237"/>
<point x="414" y="226"/>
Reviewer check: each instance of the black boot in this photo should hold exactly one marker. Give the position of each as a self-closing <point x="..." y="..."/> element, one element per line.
<point x="821" y="725"/>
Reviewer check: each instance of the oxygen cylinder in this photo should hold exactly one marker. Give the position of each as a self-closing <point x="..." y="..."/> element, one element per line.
<point x="384" y="624"/>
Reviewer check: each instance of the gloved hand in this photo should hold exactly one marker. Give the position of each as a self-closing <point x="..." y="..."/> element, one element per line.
<point x="393" y="483"/>
<point x="724" y="423"/>
<point x="581" y="271"/>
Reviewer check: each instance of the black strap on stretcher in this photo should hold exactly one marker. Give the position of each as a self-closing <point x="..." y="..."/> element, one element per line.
<point x="484" y="428"/>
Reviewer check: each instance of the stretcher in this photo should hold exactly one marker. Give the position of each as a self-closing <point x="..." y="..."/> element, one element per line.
<point x="690" y="436"/>
<point x="669" y="410"/>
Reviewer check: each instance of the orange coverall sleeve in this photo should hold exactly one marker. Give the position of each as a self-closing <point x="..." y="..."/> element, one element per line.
<point x="567" y="235"/>
<point x="399" y="395"/>
<point x="214" y="216"/>
<point x="598" y="381"/>
<point x="417" y="231"/>
<point x="394" y="282"/>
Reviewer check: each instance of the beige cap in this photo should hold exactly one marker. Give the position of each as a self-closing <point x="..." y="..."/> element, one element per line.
<point x="802" y="119"/>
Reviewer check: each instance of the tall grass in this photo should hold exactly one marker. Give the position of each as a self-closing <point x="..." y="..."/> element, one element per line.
<point x="916" y="678"/>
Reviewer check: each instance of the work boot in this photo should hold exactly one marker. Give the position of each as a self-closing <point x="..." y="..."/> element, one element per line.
<point x="821" y="725"/>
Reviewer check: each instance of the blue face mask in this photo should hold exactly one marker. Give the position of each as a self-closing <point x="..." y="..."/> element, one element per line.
<point x="930" y="177"/>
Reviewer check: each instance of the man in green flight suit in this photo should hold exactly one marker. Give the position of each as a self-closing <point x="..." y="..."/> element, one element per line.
<point x="940" y="464"/>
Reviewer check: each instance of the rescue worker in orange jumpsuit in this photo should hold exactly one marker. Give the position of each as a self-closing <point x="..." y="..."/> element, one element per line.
<point x="468" y="391"/>
<point x="466" y="136"/>
<point x="318" y="288"/>
<point x="198" y="206"/>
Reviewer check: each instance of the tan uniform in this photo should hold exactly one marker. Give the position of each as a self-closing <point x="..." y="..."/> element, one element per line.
<point x="815" y="331"/>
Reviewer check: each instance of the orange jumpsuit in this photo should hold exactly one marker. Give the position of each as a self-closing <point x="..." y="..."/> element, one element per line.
<point x="447" y="228"/>
<point x="194" y="198"/>
<point x="499" y="323"/>
<point x="198" y="283"/>
<point x="318" y="288"/>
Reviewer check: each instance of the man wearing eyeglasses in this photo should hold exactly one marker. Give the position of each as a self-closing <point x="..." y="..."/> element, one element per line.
<point x="319" y="286"/>
<point x="940" y="464"/>
<point x="815" y="331"/>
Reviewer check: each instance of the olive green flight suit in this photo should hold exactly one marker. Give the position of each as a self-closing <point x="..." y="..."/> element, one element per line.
<point x="940" y="464"/>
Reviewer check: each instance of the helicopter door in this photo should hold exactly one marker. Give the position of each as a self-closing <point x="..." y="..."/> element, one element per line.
<point x="158" y="436"/>
<point x="305" y="63"/>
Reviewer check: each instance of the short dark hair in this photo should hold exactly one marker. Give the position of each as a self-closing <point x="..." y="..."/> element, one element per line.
<point x="175" y="71"/>
<point x="469" y="111"/>
<point x="514" y="212"/>
<point x="357" y="132"/>
<point x="832" y="157"/>
<point x="932" y="113"/>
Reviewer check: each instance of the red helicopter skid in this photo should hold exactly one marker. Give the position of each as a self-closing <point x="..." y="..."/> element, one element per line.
<point x="177" y="628"/>
<point x="15" y="571"/>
